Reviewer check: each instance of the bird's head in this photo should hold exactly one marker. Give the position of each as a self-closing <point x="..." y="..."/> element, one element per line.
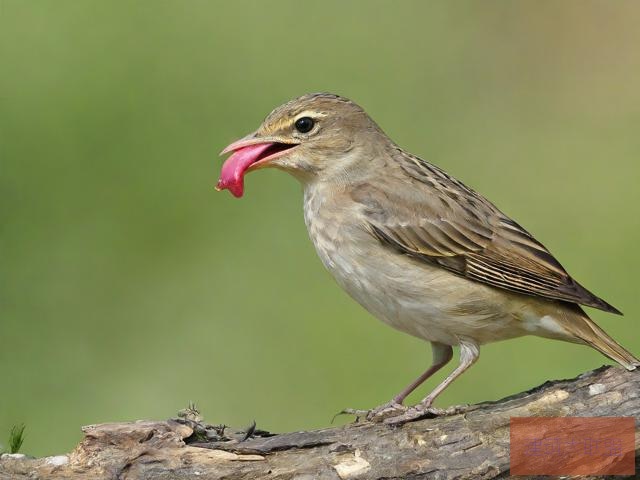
<point x="310" y="137"/>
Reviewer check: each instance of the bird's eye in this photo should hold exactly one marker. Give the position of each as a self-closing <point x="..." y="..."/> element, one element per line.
<point x="304" y="124"/>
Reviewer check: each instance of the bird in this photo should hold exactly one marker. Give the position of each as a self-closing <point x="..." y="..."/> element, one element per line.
<point x="417" y="248"/>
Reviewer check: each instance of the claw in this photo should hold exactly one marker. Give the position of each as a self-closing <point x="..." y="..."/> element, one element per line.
<point x="423" y="411"/>
<point x="376" y="415"/>
<point x="392" y="413"/>
<point x="414" y="413"/>
<point x="351" y="411"/>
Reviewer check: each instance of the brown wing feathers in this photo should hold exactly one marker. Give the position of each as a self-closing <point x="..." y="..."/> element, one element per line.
<point x="485" y="246"/>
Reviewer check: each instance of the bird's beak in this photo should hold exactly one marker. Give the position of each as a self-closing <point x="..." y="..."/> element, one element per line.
<point x="249" y="153"/>
<point x="251" y="139"/>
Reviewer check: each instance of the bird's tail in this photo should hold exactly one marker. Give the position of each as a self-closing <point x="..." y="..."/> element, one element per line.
<point x="595" y="337"/>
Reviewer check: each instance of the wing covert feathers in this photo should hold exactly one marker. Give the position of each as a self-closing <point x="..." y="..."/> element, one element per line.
<point x="441" y="221"/>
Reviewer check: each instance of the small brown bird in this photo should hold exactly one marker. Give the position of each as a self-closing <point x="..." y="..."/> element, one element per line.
<point x="417" y="248"/>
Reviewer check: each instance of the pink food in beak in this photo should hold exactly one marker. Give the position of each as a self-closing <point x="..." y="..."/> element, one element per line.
<point x="233" y="170"/>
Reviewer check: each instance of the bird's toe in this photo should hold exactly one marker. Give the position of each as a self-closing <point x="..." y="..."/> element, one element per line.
<point x="420" y="411"/>
<point x="377" y="414"/>
<point x="383" y="412"/>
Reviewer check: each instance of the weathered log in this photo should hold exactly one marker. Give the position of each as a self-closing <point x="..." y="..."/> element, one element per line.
<point x="473" y="444"/>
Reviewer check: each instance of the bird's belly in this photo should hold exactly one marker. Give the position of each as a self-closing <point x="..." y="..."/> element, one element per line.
<point x="422" y="300"/>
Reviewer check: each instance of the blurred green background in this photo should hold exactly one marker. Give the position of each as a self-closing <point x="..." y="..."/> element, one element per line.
<point x="129" y="286"/>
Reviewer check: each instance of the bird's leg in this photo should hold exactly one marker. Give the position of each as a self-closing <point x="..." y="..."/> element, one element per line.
<point x="441" y="355"/>
<point x="469" y="353"/>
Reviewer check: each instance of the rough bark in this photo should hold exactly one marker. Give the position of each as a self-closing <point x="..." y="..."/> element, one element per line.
<point x="474" y="444"/>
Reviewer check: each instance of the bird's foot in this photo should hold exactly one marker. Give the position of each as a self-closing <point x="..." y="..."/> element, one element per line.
<point x="424" y="410"/>
<point x="377" y="415"/>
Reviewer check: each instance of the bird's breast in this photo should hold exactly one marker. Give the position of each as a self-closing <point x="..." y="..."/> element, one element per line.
<point x="337" y="235"/>
<point x="369" y="273"/>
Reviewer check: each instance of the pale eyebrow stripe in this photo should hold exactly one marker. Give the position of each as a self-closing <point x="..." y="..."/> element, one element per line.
<point x="309" y="113"/>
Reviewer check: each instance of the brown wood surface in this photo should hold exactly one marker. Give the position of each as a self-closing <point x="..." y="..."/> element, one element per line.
<point x="474" y="444"/>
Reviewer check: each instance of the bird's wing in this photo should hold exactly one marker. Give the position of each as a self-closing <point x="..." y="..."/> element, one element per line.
<point x="439" y="220"/>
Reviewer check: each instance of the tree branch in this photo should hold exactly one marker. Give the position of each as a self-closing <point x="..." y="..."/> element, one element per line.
<point x="474" y="444"/>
